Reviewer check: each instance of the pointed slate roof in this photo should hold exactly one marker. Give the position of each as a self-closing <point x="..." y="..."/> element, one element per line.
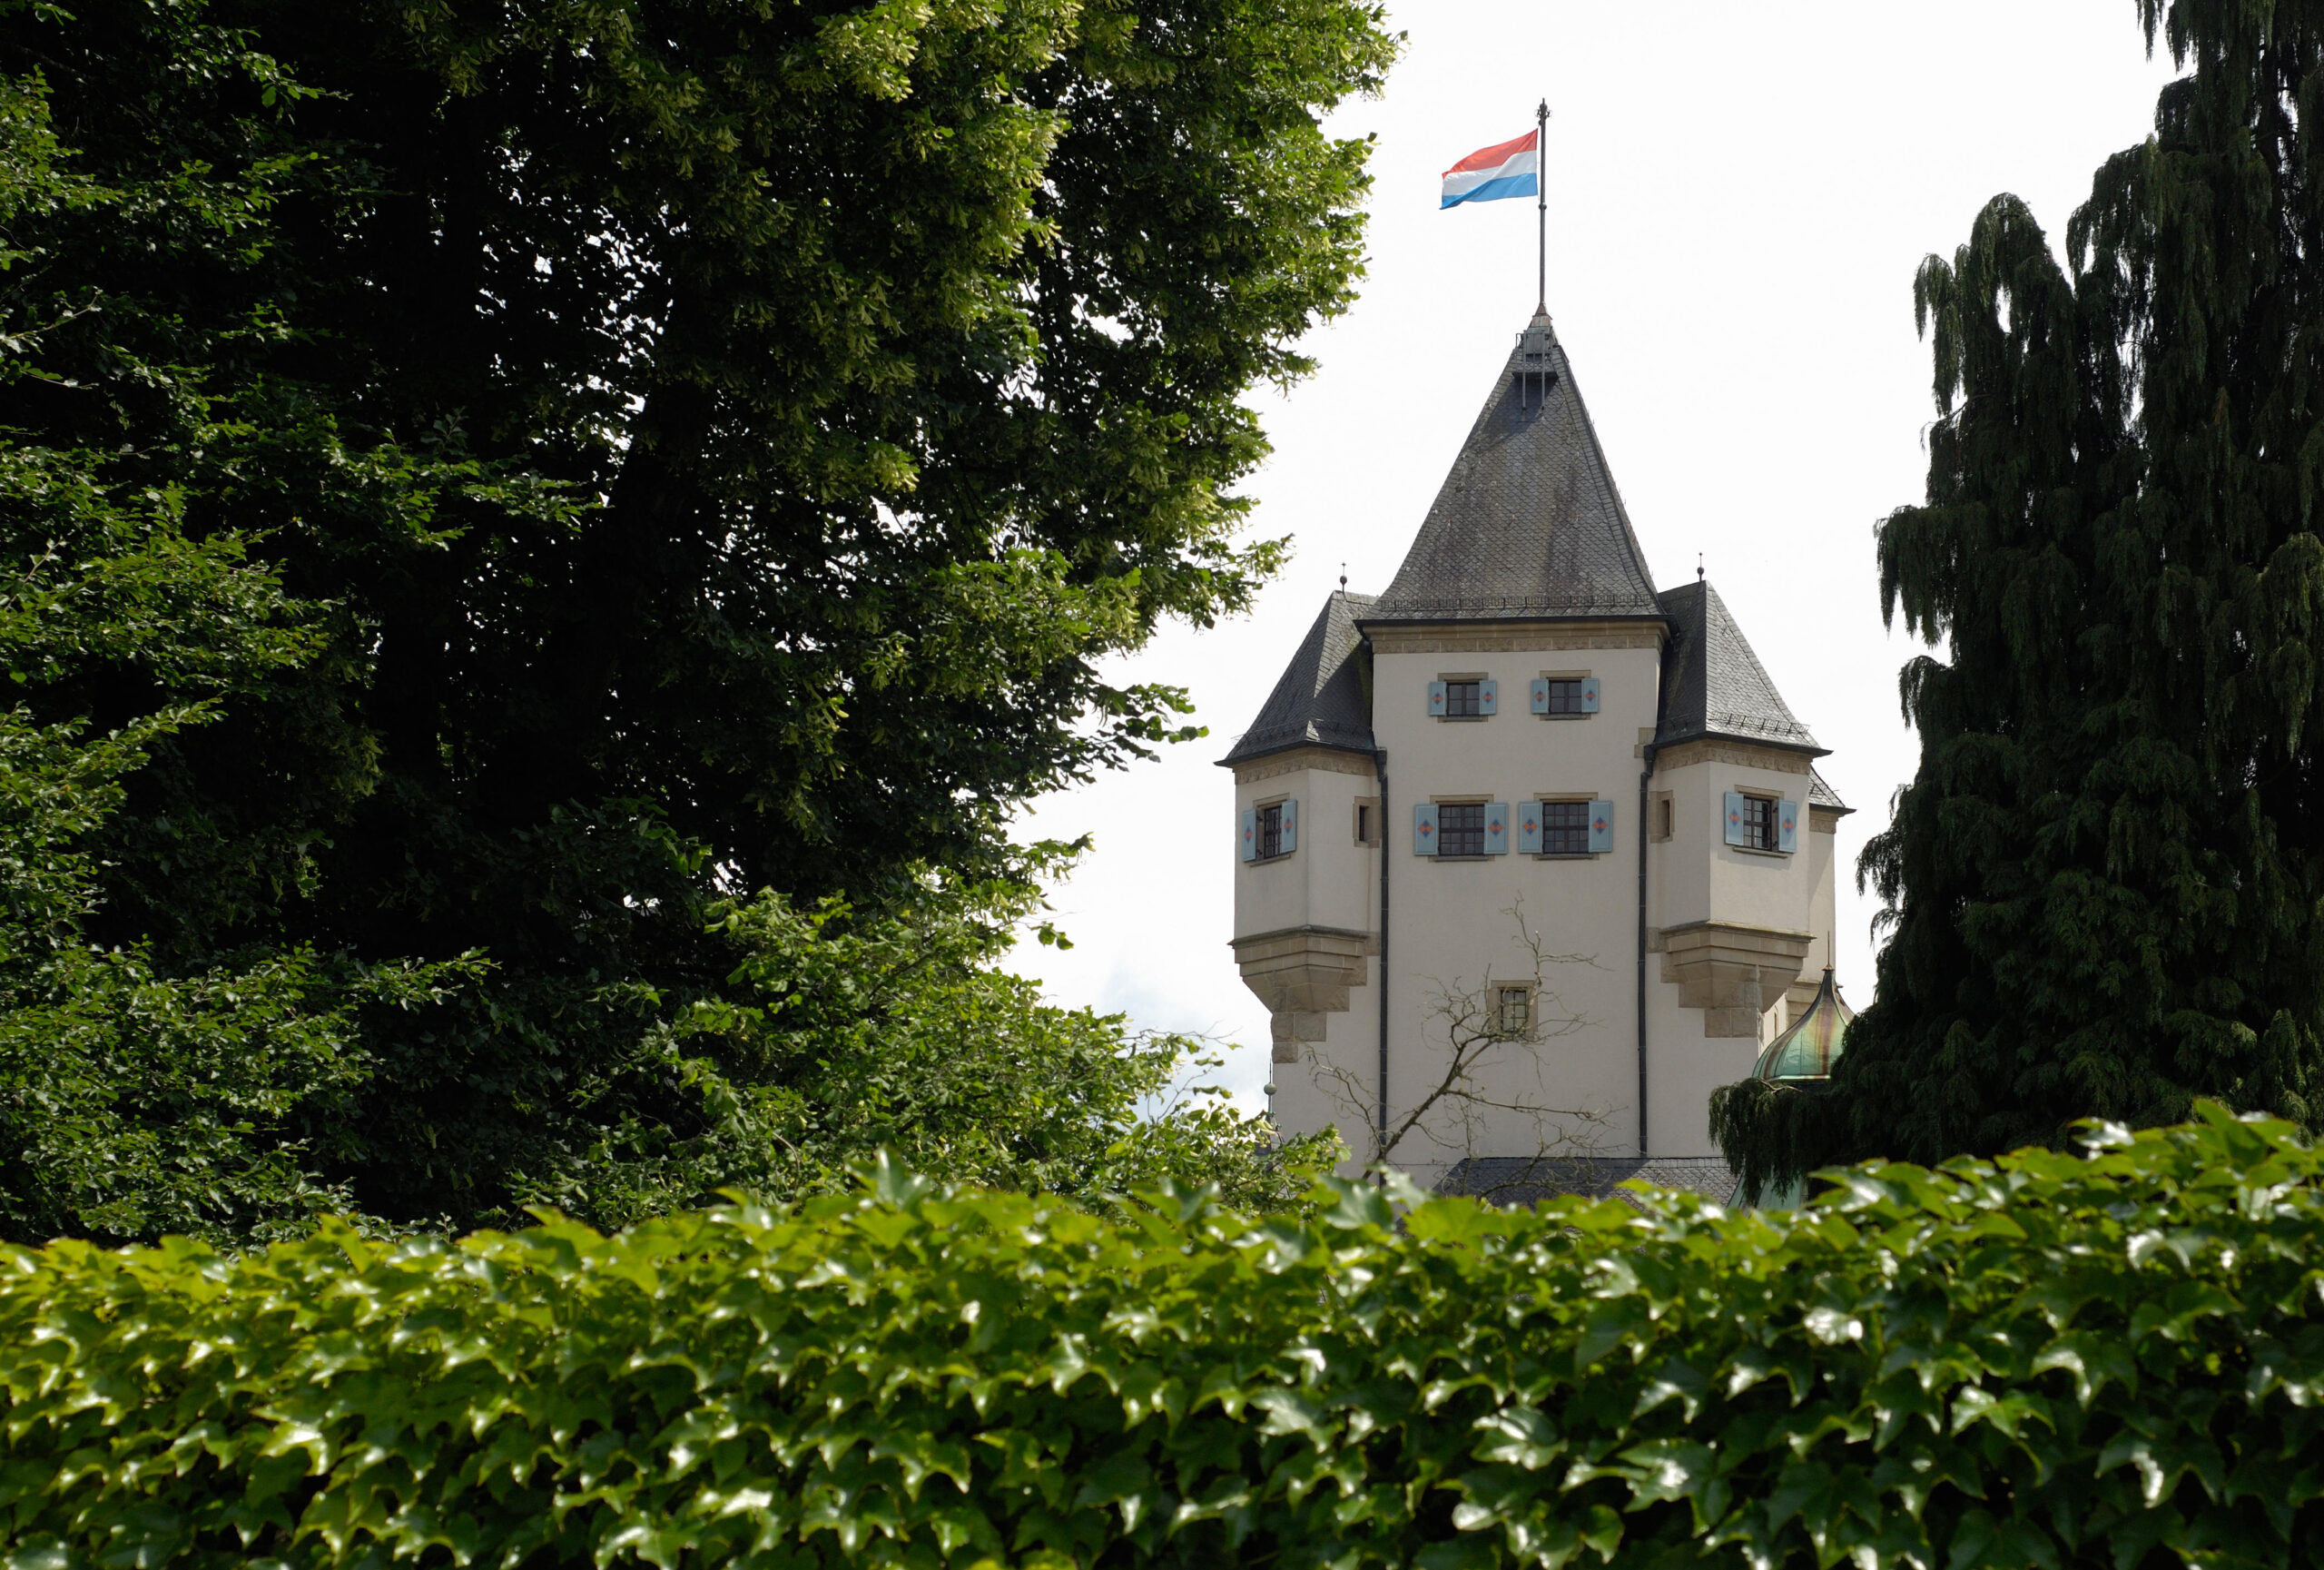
<point x="1714" y="685"/>
<point x="1821" y="795"/>
<point x="1528" y="524"/>
<point x="1320" y="701"/>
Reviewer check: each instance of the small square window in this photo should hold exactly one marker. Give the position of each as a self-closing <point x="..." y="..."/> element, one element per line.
<point x="1270" y="831"/>
<point x="1760" y="820"/>
<point x="1462" y="699"/>
<point x="1514" y="1011"/>
<point x="1460" y="829"/>
<point x="1565" y="696"/>
<point x="1565" y="828"/>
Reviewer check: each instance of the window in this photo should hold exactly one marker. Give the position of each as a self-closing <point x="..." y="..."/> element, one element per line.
<point x="1460" y="829"/>
<point x="1512" y="1012"/>
<point x="1759" y="824"/>
<point x="1662" y="816"/>
<point x="1270" y="831"/>
<point x="1462" y="699"/>
<point x="1565" y="828"/>
<point x="1565" y="696"/>
<point x="1362" y="823"/>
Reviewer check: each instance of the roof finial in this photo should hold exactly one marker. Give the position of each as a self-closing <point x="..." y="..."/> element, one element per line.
<point x="1342" y="580"/>
<point x="1699" y="567"/>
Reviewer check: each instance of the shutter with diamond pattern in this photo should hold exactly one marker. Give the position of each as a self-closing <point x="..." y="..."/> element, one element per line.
<point x="1602" y="826"/>
<point x="1289" y="840"/>
<point x="1424" y="828"/>
<point x="1250" y="846"/>
<point x="1497" y="829"/>
<point x="1734" y="834"/>
<point x="1529" y="828"/>
<point x="1787" y="828"/>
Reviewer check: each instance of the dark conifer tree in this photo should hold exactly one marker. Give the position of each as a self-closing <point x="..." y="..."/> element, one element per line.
<point x="2104" y="882"/>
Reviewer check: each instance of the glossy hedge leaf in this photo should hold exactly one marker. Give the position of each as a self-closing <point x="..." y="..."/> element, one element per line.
<point x="2111" y="1359"/>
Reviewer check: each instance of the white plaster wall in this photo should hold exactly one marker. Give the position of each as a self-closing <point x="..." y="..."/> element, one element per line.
<point x="1451" y="930"/>
<point x="1822" y="847"/>
<point x="1334" y="1083"/>
<point x="1329" y="880"/>
<point x="1756" y="888"/>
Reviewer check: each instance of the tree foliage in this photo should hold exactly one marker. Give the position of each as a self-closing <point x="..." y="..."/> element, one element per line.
<point x="2106" y="879"/>
<point x="2058" y="1361"/>
<point x="711" y="448"/>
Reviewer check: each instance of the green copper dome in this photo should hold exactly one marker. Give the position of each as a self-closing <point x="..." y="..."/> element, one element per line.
<point x="1808" y="1050"/>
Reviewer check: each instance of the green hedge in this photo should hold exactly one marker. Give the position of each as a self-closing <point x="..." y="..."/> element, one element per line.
<point x="2051" y="1359"/>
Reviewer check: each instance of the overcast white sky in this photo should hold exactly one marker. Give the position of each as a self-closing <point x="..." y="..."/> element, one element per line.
<point x="1738" y="196"/>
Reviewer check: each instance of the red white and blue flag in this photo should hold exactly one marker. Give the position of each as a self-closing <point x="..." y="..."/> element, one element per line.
<point x="1489" y="173"/>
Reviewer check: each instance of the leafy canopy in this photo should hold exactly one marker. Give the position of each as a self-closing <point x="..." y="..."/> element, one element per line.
<point x="699" y="448"/>
<point x="2106" y="878"/>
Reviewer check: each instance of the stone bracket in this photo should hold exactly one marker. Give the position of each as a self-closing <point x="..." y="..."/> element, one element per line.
<point x="1732" y="973"/>
<point x="1303" y="974"/>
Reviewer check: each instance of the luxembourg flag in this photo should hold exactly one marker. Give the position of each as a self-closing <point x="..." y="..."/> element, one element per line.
<point x="1489" y="173"/>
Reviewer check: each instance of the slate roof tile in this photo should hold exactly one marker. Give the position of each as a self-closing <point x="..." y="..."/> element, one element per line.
<point x="1714" y="685"/>
<point x="1528" y="524"/>
<point x="1320" y="700"/>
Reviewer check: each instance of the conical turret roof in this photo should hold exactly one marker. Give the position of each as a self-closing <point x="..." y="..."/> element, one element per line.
<point x="1528" y="525"/>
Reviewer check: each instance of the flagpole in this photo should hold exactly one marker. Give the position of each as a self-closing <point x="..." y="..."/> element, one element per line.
<point x="1541" y="206"/>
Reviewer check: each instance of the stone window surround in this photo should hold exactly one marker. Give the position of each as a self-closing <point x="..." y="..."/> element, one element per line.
<point x="1460" y="801"/>
<point x="1759" y="793"/>
<point x="1496" y="991"/>
<point x="1565" y="676"/>
<point x="1260" y="804"/>
<point x="1448" y="678"/>
<point x="1585" y="798"/>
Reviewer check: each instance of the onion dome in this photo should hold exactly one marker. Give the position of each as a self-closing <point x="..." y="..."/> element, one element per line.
<point x="1808" y="1050"/>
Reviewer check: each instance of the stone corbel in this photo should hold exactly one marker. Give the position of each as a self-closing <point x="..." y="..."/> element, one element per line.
<point x="1301" y="974"/>
<point x="1732" y="973"/>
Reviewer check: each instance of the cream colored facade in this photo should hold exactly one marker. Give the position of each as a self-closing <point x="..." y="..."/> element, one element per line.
<point x="1733" y="939"/>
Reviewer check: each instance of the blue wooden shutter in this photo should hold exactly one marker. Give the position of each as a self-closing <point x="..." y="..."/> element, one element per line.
<point x="1735" y="818"/>
<point x="1290" y="840"/>
<point x="1424" y="828"/>
<point x="1488" y="697"/>
<point x="1602" y="826"/>
<point x="1529" y="828"/>
<point x="1590" y="695"/>
<point x="1436" y="699"/>
<point x="1250" y="834"/>
<point x="1787" y="828"/>
<point x="1497" y="829"/>
<point x="1540" y="695"/>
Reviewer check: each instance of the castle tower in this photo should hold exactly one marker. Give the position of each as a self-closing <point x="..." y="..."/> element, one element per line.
<point x="1568" y="817"/>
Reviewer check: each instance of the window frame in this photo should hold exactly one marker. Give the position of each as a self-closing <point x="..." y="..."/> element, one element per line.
<point x="1267" y="827"/>
<point x="1762" y="823"/>
<point x="1446" y="831"/>
<point x="1474" y="687"/>
<point x="1503" y="994"/>
<point x="1578" y="830"/>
